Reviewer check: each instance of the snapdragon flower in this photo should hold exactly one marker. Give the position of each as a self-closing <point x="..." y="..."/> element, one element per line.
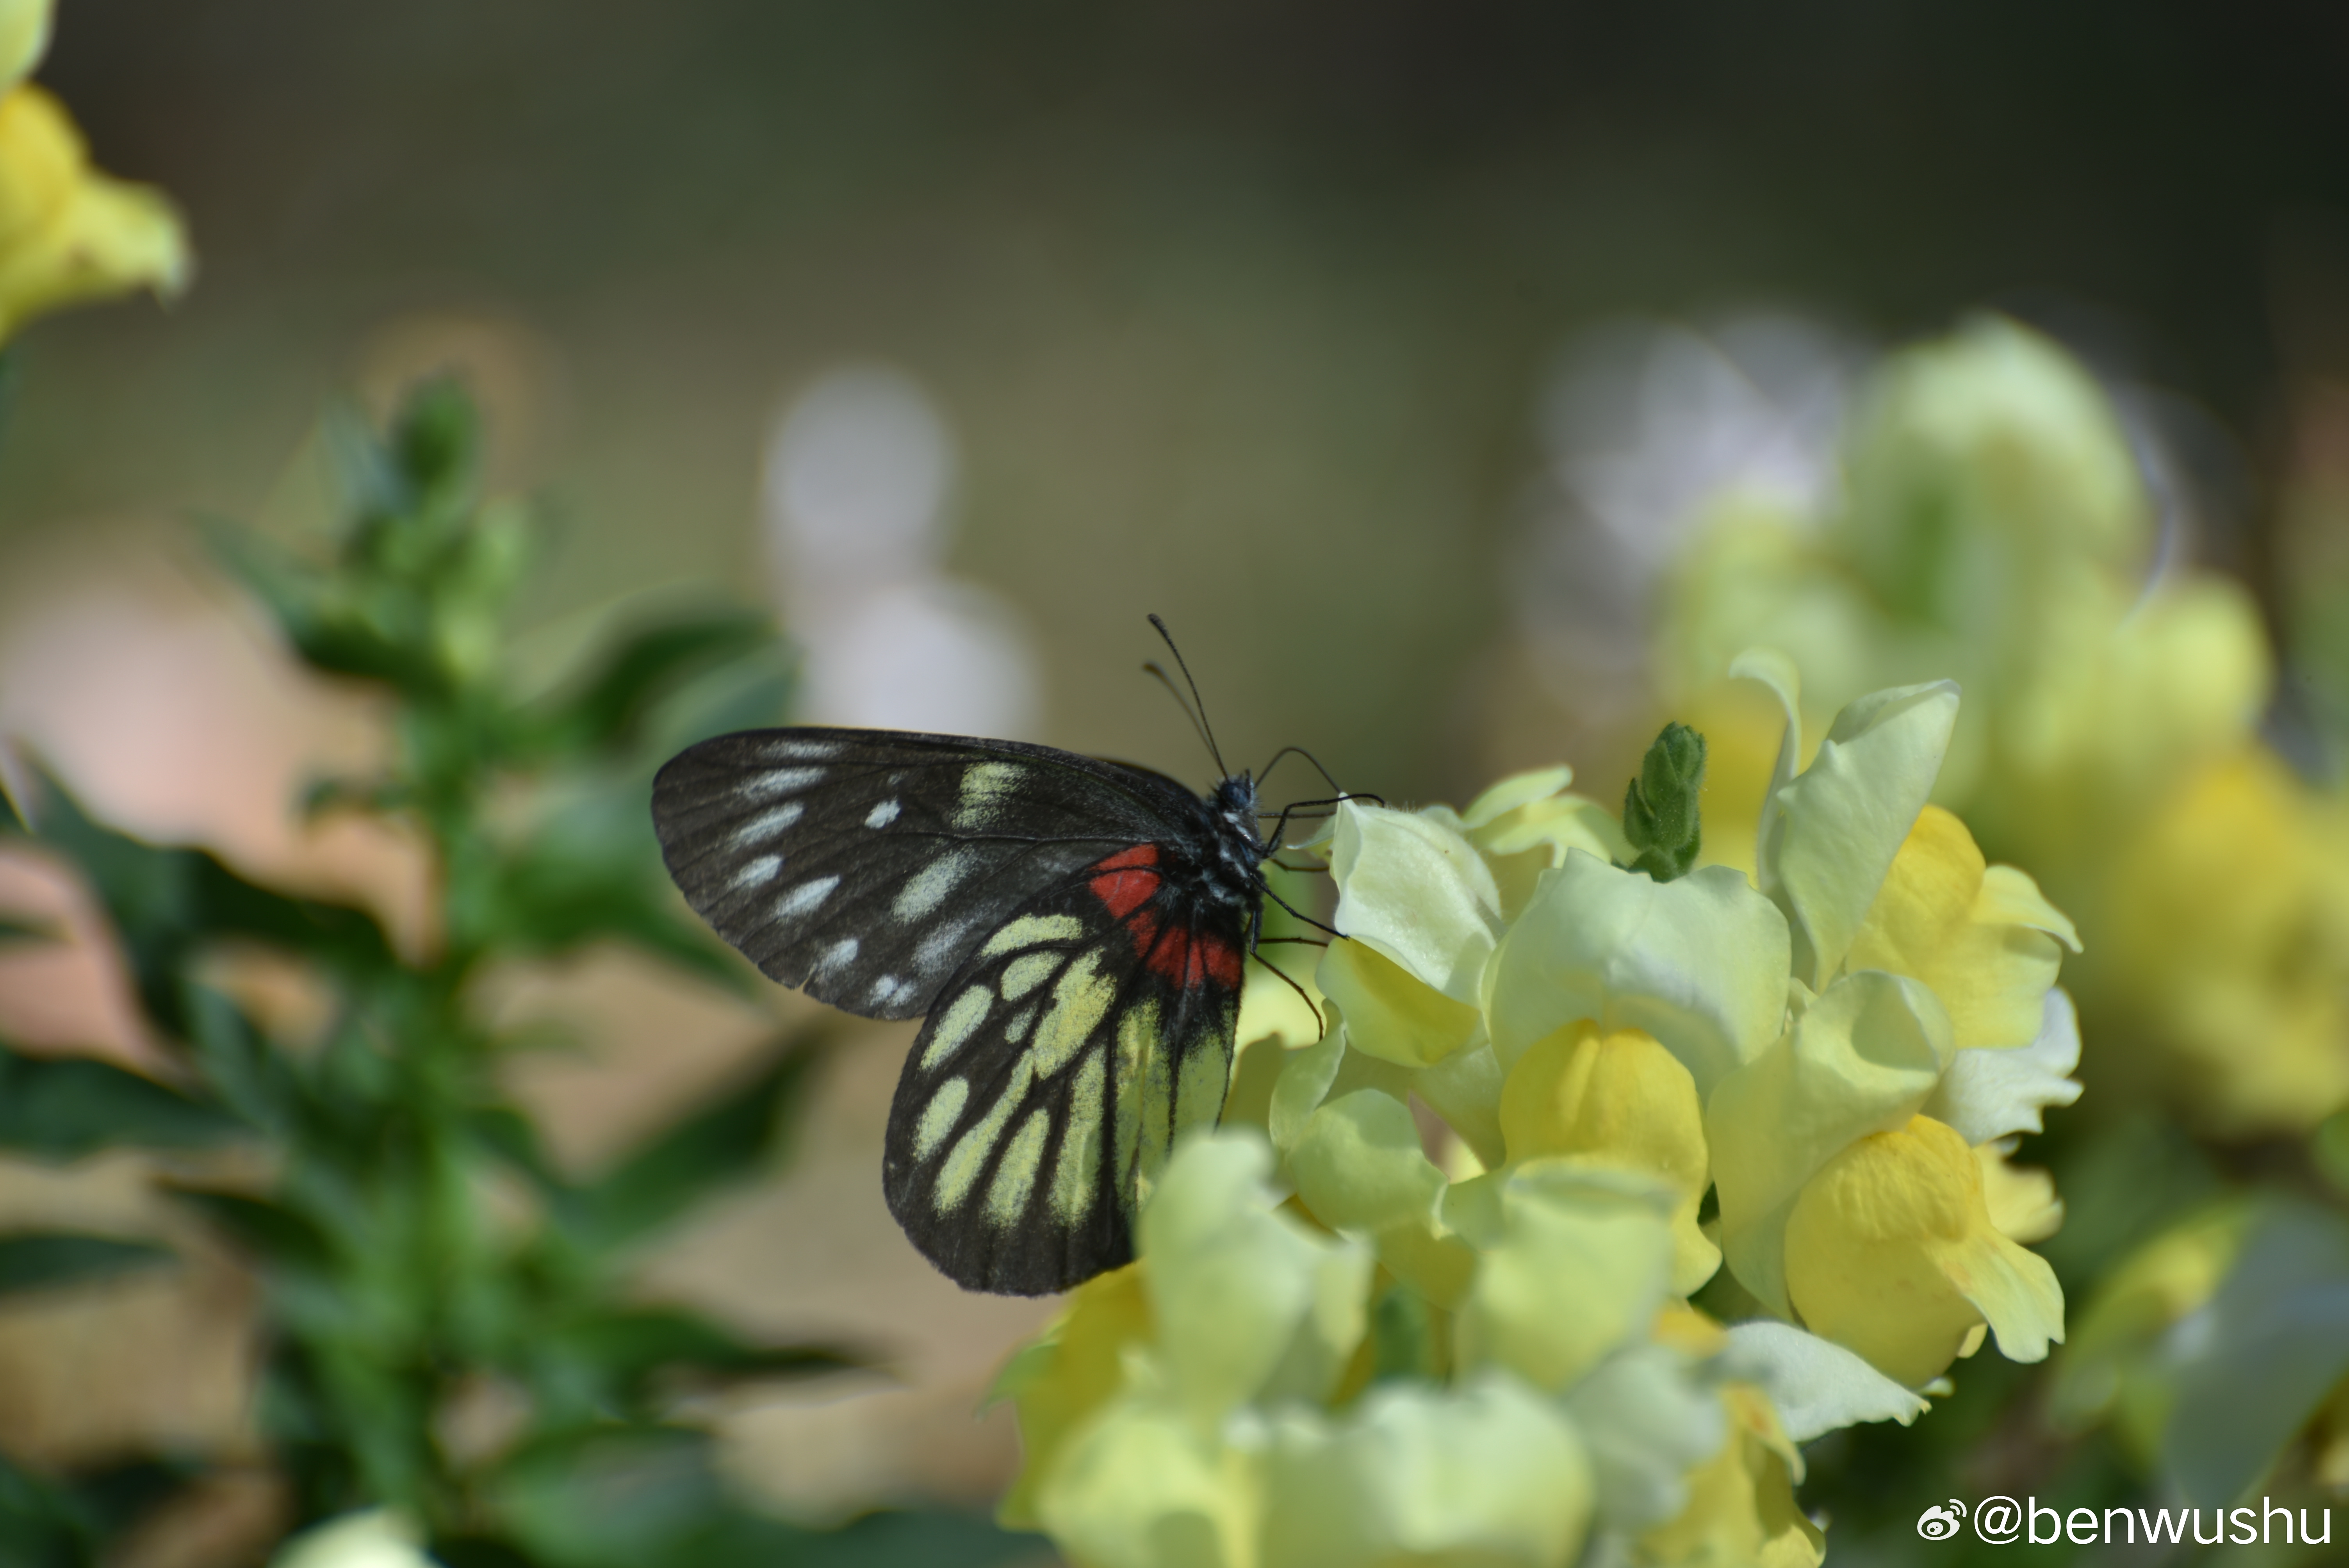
<point x="68" y="232"/>
<point x="1993" y="526"/>
<point x="1366" y="1332"/>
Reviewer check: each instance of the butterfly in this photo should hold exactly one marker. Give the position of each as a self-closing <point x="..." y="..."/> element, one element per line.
<point x="1072" y="930"/>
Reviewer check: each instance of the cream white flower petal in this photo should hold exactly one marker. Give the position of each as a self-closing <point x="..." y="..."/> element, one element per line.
<point x="1989" y="1093"/>
<point x="1247" y="1299"/>
<point x="1413" y="889"/>
<point x="24" y="37"/>
<point x="1817" y="1385"/>
<point x="1830" y="834"/>
<point x="378" y="1537"/>
<point x="1139" y="1473"/>
<point x="1515" y="790"/>
<point x="1699" y="963"/>
<point x="1582" y="1262"/>
<point x="1773" y="669"/>
<point x="1304" y="1082"/>
<point x="1862" y="1058"/>
<point x="1649" y="1420"/>
<point x="1464" y="1089"/>
<point x="1487" y="1473"/>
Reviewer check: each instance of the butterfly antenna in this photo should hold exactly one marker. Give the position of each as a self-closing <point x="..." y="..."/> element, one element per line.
<point x="1168" y="637"/>
<point x="1266" y="772"/>
<point x="1198" y="725"/>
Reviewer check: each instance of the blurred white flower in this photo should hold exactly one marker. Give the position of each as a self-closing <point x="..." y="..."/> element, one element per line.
<point x="1646" y="424"/>
<point x="379" y="1538"/>
<point x="858" y="497"/>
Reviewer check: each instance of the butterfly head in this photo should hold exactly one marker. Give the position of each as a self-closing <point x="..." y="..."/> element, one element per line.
<point x="1232" y="807"/>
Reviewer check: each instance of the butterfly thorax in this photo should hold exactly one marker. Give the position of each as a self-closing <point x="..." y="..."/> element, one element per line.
<point x="1231" y="875"/>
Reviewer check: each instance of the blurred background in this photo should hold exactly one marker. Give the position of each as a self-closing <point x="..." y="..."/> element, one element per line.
<point x="961" y="338"/>
<point x="1236" y="311"/>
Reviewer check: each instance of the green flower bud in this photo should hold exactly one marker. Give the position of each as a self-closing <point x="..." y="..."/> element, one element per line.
<point x="1660" y="808"/>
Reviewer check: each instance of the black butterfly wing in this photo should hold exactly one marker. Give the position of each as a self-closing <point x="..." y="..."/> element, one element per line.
<point x="866" y="866"/>
<point x="1043" y="1095"/>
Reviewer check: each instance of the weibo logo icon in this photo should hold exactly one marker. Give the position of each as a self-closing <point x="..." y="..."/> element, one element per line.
<point x="1941" y="1522"/>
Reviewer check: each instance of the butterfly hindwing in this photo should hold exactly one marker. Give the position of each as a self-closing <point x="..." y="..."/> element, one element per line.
<point x="866" y="866"/>
<point x="1073" y="929"/>
<point x="1040" y="1100"/>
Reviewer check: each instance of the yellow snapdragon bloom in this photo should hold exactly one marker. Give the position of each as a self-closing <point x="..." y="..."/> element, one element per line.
<point x="1185" y="1411"/>
<point x="1851" y="1195"/>
<point x="2228" y="920"/>
<point x="68" y="233"/>
<point x="1994" y="528"/>
<point x="1473" y="1341"/>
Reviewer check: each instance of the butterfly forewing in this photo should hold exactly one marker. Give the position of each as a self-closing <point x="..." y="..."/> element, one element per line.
<point x="1075" y="929"/>
<point x="867" y="865"/>
<point x="1041" y="1097"/>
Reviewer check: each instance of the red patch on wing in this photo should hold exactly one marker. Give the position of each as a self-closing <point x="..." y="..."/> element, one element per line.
<point x="1123" y="882"/>
<point x="1188" y="961"/>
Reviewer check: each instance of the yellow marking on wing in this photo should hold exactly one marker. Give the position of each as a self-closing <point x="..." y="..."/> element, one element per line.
<point x="984" y="789"/>
<point x="1017" y="1030"/>
<point x="1024" y="974"/>
<point x="1015" y="1176"/>
<point x="1077" y="1172"/>
<point x="970" y="1151"/>
<point x="939" y="1116"/>
<point x="1080" y="999"/>
<point x="1030" y="929"/>
<point x="955" y="1024"/>
<point x="1138" y="1056"/>
<point x="1205" y="1079"/>
<point x="928" y="887"/>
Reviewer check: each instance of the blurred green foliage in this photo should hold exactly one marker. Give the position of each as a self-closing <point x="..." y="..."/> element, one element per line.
<point x="392" y="1289"/>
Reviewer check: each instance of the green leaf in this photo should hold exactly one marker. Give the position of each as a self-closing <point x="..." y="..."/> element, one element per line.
<point x="166" y="902"/>
<point x="276" y="1235"/>
<point x="53" y="1259"/>
<point x="18" y="931"/>
<point x="48" y="1523"/>
<point x="610" y="1497"/>
<point x="67" y="1108"/>
<point x="738" y="1131"/>
<point x="643" y="670"/>
<point x="319" y="620"/>
<point x="627" y="1346"/>
<point x="1660" y="814"/>
<point x="251" y="1079"/>
<point x="2272" y="1342"/>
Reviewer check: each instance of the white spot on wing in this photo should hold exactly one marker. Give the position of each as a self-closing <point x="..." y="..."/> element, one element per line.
<point x="801" y="750"/>
<point x="805" y="898"/>
<point x="767" y="824"/>
<point x="780" y="781"/>
<point x="929" y="886"/>
<point x="840" y="952"/>
<point x="883" y="814"/>
<point x="888" y="989"/>
<point x="758" y="872"/>
<point x="939" y="946"/>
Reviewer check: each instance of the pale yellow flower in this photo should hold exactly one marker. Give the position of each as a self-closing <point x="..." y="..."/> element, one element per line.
<point x="68" y="233"/>
<point x="1618" y="1099"/>
<point x="1891" y="1250"/>
<point x="2228" y="917"/>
